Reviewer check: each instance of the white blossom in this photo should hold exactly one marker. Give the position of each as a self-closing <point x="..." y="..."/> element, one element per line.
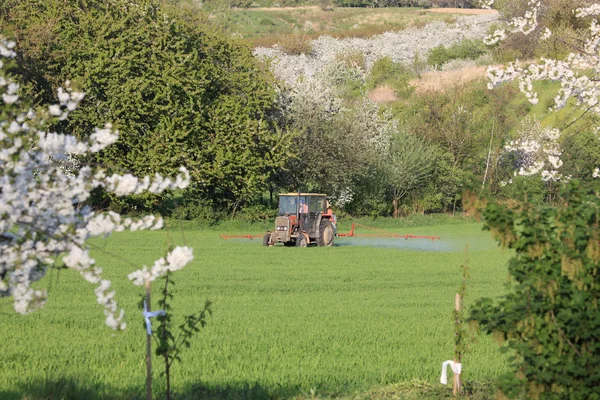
<point x="43" y="187"/>
<point x="400" y="46"/>
<point x="572" y="72"/>
<point x="175" y="260"/>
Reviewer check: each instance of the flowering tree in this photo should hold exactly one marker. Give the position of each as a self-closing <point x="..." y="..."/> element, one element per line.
<point x="549" y="319"/>
<point x="577" y="74"/>
<point x="42" y="203"/>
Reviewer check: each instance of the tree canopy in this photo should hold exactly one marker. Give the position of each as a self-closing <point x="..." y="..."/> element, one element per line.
<point x="178" y="92"/>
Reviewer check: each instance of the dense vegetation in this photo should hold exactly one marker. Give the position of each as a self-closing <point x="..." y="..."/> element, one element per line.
<point x="178" y="92"/>
<point x="551" y="318"/>
<point x="181" y="93"/>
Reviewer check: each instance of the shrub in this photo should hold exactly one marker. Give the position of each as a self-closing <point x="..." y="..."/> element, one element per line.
<point x="352" y="58"/>
<point x="257" y="213"/>
<point x="468" y="49"/>
<point x="550" y="320"/>
<point x="395" y="75"/>
<point x="295" y="44"/>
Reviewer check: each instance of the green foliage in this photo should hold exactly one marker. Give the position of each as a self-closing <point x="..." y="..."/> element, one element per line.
<point x="468" y="49"/>
<point x="408" y="165"/>
<point x="178" y="92"/>
<point x="257" y="213"/>
<point x="524" y="188"/>
<point x="581" y="155"/>
<point x="395" y="75"/>
<point x="550" y="319"/>
<point x="193" y="207"/>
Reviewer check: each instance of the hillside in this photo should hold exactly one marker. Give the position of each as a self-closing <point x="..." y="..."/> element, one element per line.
<point x="268" y="26"/>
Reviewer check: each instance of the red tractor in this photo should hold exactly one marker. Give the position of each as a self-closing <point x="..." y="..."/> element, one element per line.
<point x="303" y="219"/>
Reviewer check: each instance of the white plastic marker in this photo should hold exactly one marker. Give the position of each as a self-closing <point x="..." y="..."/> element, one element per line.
<point x="151" y="314"/>
<point x="456" y="368"/>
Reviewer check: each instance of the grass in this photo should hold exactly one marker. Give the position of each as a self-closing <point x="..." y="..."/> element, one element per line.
<point x="365" y="319"/>
<point x="266" y="27"/>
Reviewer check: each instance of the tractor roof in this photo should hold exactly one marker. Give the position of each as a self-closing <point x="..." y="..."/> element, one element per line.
<point x="302" y="194"/>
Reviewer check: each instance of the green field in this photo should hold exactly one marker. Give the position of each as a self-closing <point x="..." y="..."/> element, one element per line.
<point x="342" y="321"/>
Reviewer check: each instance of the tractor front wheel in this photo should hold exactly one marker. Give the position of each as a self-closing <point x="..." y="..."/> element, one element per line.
<point x="326" y="233"/>
<point x="267" y="239"/>
<point x="301" y="241"/>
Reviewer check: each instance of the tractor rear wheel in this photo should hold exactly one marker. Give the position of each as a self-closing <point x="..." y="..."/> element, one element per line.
<point x="267" y="239"/>
<point x="301" y="241"/>
<point x="326" y="233"/>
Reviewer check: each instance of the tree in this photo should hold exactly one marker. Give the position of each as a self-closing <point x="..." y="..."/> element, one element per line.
<point x="576" y="72"/>
<point x="179" y="93"/>
<point x="335" y="146"/>
<point x="43" y="219"/>
<point x="408" y="164"/>
<point x="550" y="318"/>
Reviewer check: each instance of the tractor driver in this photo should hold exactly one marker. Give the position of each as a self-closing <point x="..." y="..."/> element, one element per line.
<point x="302" y="206"/>
<point x="332" y="218"/>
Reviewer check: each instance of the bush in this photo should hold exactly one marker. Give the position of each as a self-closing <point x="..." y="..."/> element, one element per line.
<point x="468" y="49"/>
<point x="551" y="318"/>
<point x="197" y="210"/>
<point x="353" y="59"/>
<point x="257" y="213"/>
<point x="386" y="72"/>
<point x="295" y="44"/>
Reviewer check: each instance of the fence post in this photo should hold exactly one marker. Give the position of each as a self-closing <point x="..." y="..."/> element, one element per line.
<point x="148" y="349"/>
<point x="456" y="384"/>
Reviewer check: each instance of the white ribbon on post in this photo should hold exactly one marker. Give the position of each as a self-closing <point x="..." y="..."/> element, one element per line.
<point x="456" y="368"/>
<point x="151" y="314"/>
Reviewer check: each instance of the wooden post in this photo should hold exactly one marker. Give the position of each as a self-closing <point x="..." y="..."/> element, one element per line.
<point x="148" y="349"/>
<point x="456" y="385"/>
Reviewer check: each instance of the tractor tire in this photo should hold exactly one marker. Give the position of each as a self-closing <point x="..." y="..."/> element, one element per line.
<point x="301" y="241"/>
<point x="267" y="240"/>
<point x="326" y="233"/>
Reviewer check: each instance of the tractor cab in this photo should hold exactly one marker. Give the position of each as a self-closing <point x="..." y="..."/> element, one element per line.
<point x="302" y="220"/>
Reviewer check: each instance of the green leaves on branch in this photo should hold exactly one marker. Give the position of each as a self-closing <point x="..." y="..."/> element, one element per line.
<point x="170" y="345"/>
<point x="551" y="318"/>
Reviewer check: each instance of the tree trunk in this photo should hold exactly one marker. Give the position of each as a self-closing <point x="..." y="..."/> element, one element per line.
<point x="395" y="204"/>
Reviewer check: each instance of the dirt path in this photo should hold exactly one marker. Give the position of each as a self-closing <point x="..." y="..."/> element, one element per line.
<point x="431" y="81"/>
<point x="439" y="81"/>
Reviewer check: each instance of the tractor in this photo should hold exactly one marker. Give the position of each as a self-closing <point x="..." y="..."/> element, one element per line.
<point x="303" y="219"/>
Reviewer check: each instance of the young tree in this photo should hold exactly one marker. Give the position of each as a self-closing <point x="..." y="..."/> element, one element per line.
<point x="408" y="164"/>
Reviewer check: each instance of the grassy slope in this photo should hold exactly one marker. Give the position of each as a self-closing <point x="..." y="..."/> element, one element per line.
<point x="340" y="320"/>
<point x="265" y="27"/>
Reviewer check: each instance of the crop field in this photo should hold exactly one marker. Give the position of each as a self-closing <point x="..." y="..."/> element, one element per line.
<point x="339" y="321"/>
